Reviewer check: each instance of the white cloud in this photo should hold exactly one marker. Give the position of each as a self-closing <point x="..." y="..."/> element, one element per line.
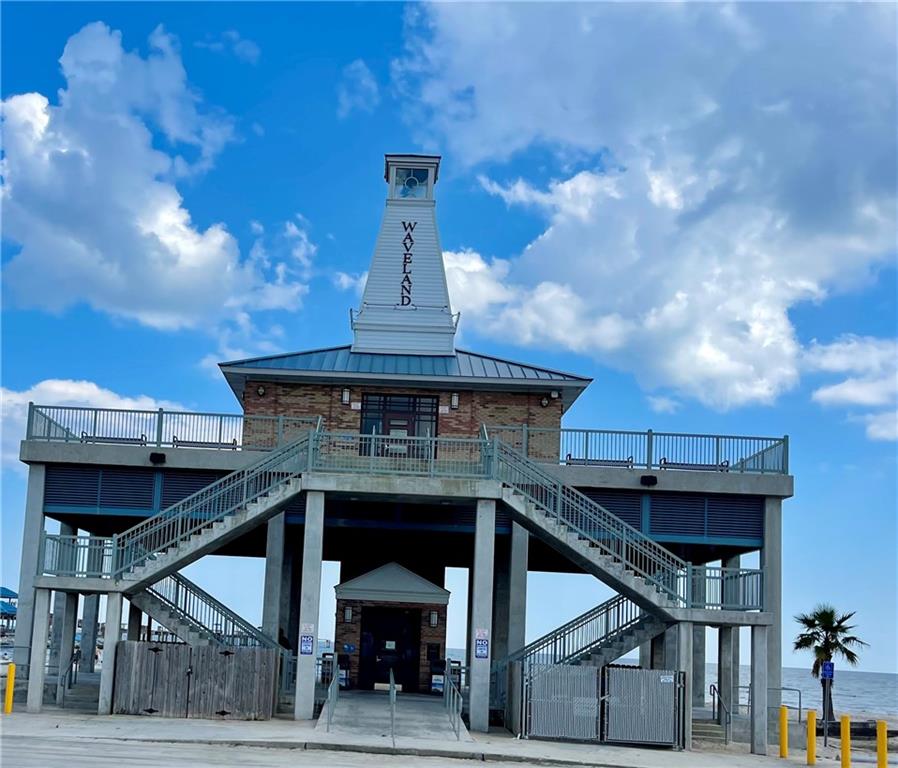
<point x="230" y="41"/>
<point x="61" y="392"/>
<point x="724" y="184"/>
<point x="358" y="89"/>
<point x="302" y="249"/>
<point x="93" y="203"/>
<point x="351" y="282"/>
<point x="663" y="404"/>
<point x="870" y="367"/>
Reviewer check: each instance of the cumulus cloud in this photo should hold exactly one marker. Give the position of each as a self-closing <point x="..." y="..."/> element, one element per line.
<point x="14" y="408"/>
<point x="699" y="193"/>
<point x="354" y="282"/>
<point x="93" y="204"/>
<point x="357" y="90"/>
<point x="870" y="368"/>
<point x="230" y="41"/>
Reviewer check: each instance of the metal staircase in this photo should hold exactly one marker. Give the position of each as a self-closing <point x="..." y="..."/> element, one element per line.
<point x="194" y="616"/>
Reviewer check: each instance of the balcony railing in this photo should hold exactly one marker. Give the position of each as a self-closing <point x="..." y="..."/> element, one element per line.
<point x="648" y="450"/>
<point x="164" y="429"/>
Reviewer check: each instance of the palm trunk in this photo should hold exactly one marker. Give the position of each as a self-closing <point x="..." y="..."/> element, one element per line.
<point x="828" y="713"/>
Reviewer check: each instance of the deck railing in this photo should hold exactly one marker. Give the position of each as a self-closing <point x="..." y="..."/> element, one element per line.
<point x="648" y="450"/>
<point x="164" y="429"/>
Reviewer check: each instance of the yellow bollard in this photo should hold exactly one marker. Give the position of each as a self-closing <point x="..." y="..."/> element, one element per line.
<point x="784" y="731"/>
<point x="881" y="744"/>
<point x="845" y="738"/>
<point x="812" y="737"/>
<point x="10" y="687"/>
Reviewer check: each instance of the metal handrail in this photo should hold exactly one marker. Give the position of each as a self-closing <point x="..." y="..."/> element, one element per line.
<point x="196" y="606"/>
<point x="716" y="699"/>
<point x="649" y="449"/>
<point x="799" y="708"/>
<point x="392" y="707"/>
<point x="333" y="692"/>
<point x="452" y="700"/>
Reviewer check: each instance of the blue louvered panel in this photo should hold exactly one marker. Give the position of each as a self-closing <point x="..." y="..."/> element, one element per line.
<point x="126" y="487"/>
<point x="736" y="516"/>
<point x="627" y="505"/>
<point x="76" y="486"/>
<point x="681" y="514"/>
<point x="177" y="485"/>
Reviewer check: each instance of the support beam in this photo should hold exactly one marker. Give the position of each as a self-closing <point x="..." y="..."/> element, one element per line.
<point x="727" y="642"/>
<point x="501" y="598"/>
<point x="517" y="622"/>
<point x="772" y="565"/>
<point x="480" y="638"/>
<point x="698" y="642"/>
<point x="273" y="596"/>
<point x="31" y="545"/>
<point x="135" y="617"/>
<point x="645" y="655"/>
<point x="67" y="642"/>
<point x="685" y="663"/>
<point x="110" y="645"/>
<point x="313" y="547"/>
<point x="90" y="622"/>
<point x="37" y="670"/>
<point x="759" y="685"/>
<point x="60" y="603"/>
<point x="734" y="562"/>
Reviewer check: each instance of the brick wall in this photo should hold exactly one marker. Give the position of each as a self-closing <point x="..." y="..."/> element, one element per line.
<point x="474" y="408"/>
<point x="351" y="633"/>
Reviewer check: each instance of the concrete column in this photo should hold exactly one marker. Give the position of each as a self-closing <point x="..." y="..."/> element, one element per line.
<point x="645" y="655"/>
<point x="772" y="565"/>
<point x="685" y="663"/>
<point x="727" y="640"/>
<point x="759" y="684"/>
<point x="40" y="607"/>
<point x="60" y="603"/>
<point x="90" y="621"/>
<point x="135" y="617"/>
<point x="272" y="596"/>
<point x="313" y="547"/>
<point x="501" y="597"/>
<point x="517" y="597"/>
<point x="481" y="615"/>
<point x="699" y="591"/>
<point x="31" y="545"/>
<point x="67" y="641"/>
<point x="734" y="562"/>
<point x="110" y="644"/>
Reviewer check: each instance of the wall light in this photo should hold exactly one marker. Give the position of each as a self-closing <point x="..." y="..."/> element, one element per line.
<point x="347" y="614"/>
<point x="260" y="391"/>
<point x="554" y="394"/>
<point x="453" y="401"/>
<point x="434" y="618"/>
<point x="344" y="396"/>
<point x="544" y="402"/>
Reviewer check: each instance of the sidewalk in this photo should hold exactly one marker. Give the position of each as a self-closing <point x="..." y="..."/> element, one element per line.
<point x="288" y="734"/>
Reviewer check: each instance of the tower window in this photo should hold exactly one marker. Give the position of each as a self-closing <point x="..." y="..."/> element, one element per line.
<point x="411" y="183"/>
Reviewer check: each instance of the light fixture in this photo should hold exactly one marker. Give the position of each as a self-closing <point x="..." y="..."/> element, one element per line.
<point x="260" y="391"/>
<point x="544" y="402"/>
<point x="434" y="618"/>
<point x="157" y="458"/>
<point x="453" y="401"/>
<point x="554" y="394"/>
<point x="344" y="396"/>
<point x="347" y="614"/>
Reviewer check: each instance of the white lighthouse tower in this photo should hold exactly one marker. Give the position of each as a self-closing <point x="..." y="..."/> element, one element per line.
<point x="405" y="308"/>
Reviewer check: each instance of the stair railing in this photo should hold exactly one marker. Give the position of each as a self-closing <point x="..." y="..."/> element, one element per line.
<point x="175" y="525"/>
<point x="608" y="533"/>
<point x="195" y="606"/>
<point x="720" y="711"/>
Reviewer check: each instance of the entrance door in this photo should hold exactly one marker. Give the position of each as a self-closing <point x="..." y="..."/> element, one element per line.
<point x="391" y="639"/>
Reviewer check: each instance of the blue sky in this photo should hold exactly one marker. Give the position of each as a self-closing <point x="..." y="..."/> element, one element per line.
<point x="706" y="229"/>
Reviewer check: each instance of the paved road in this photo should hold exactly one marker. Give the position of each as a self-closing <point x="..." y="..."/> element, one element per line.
<point x="25" y="752"/>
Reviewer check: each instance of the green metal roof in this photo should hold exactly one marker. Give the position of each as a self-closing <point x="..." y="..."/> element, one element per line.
<point x="463" y="368"/>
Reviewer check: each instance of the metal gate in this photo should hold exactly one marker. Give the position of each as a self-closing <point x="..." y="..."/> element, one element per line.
<point x="643" y="706"/>
<point x="176" y="680"/>
<point x="561" y="702"/>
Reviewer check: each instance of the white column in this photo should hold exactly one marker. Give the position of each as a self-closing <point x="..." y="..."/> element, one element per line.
<point x="110" y="644"/>
<point x="37" y="667"/>
<point x="31" y="544"/>
<point x="274" y="576"/>
<point x="685" y="664"/>
<point x="772" y="565"/>
<point x="135" y="616"/>
<point x="759" y="685"/>
<point x="310" y="595"/>
<point x="480" y="639"/>
<point x="67" y="641"/>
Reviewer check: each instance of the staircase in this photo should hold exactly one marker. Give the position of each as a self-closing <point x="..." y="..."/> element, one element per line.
<point x="708" y="731"/>
<point x="195" y="617"/>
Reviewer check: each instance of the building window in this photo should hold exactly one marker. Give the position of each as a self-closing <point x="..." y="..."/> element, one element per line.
<point x="411" y="183"/>
<point x="398" y="417"/>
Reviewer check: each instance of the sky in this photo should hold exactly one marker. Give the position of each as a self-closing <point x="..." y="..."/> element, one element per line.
<point x="695" y="204"/>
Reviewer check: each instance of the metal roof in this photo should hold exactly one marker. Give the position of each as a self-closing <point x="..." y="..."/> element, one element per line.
<point x="7" y="594"/>
<point x="342" y="364"/>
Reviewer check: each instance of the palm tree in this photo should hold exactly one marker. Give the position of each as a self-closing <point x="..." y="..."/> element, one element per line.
<point x="828" y="635"/>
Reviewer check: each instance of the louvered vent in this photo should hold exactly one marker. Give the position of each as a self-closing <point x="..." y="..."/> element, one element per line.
<point x="179" y="485"/>
<point x="76" y="486"/>
<point x="680" y="514"/>
<point x="128" y="488"/>
<point x="627" y="505"/>
<point x="736" y="516"/>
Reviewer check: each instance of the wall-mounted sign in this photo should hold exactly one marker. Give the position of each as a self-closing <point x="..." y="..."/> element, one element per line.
<point x="348" y="648"/>
<point x="306" y="645"/>
<point x="405" y="285"/>
<point x="481" y="648"/>
<point x="389" y="645"/>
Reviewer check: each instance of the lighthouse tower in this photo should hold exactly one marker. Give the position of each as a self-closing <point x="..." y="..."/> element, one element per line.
<point x="405" y="308"/>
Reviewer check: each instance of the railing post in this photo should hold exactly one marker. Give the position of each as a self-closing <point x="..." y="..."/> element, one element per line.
<point x="313" y="448"/>
<point x="116" y="558"/>
<point x="717" y="450"/>
<point x="690" y="575"/>
<point x="558" y="501"/>
<point x="279" y="434"/>
<point x="525" y="440"/>
<point x="785" y="454"/>
<point x="648" y="449"/>
<point x="159" y="429"/>
<point x="29" y="424"/>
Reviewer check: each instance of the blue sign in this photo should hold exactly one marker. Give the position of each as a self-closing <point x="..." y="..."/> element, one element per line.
<point x="306" y="644"/>
<point x="827" y="671"/>
<point x="349" y="647"/>
<point x="481" y="648"/>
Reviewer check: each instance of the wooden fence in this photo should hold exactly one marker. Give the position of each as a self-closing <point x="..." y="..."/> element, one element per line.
<point x="175" y="680"/>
